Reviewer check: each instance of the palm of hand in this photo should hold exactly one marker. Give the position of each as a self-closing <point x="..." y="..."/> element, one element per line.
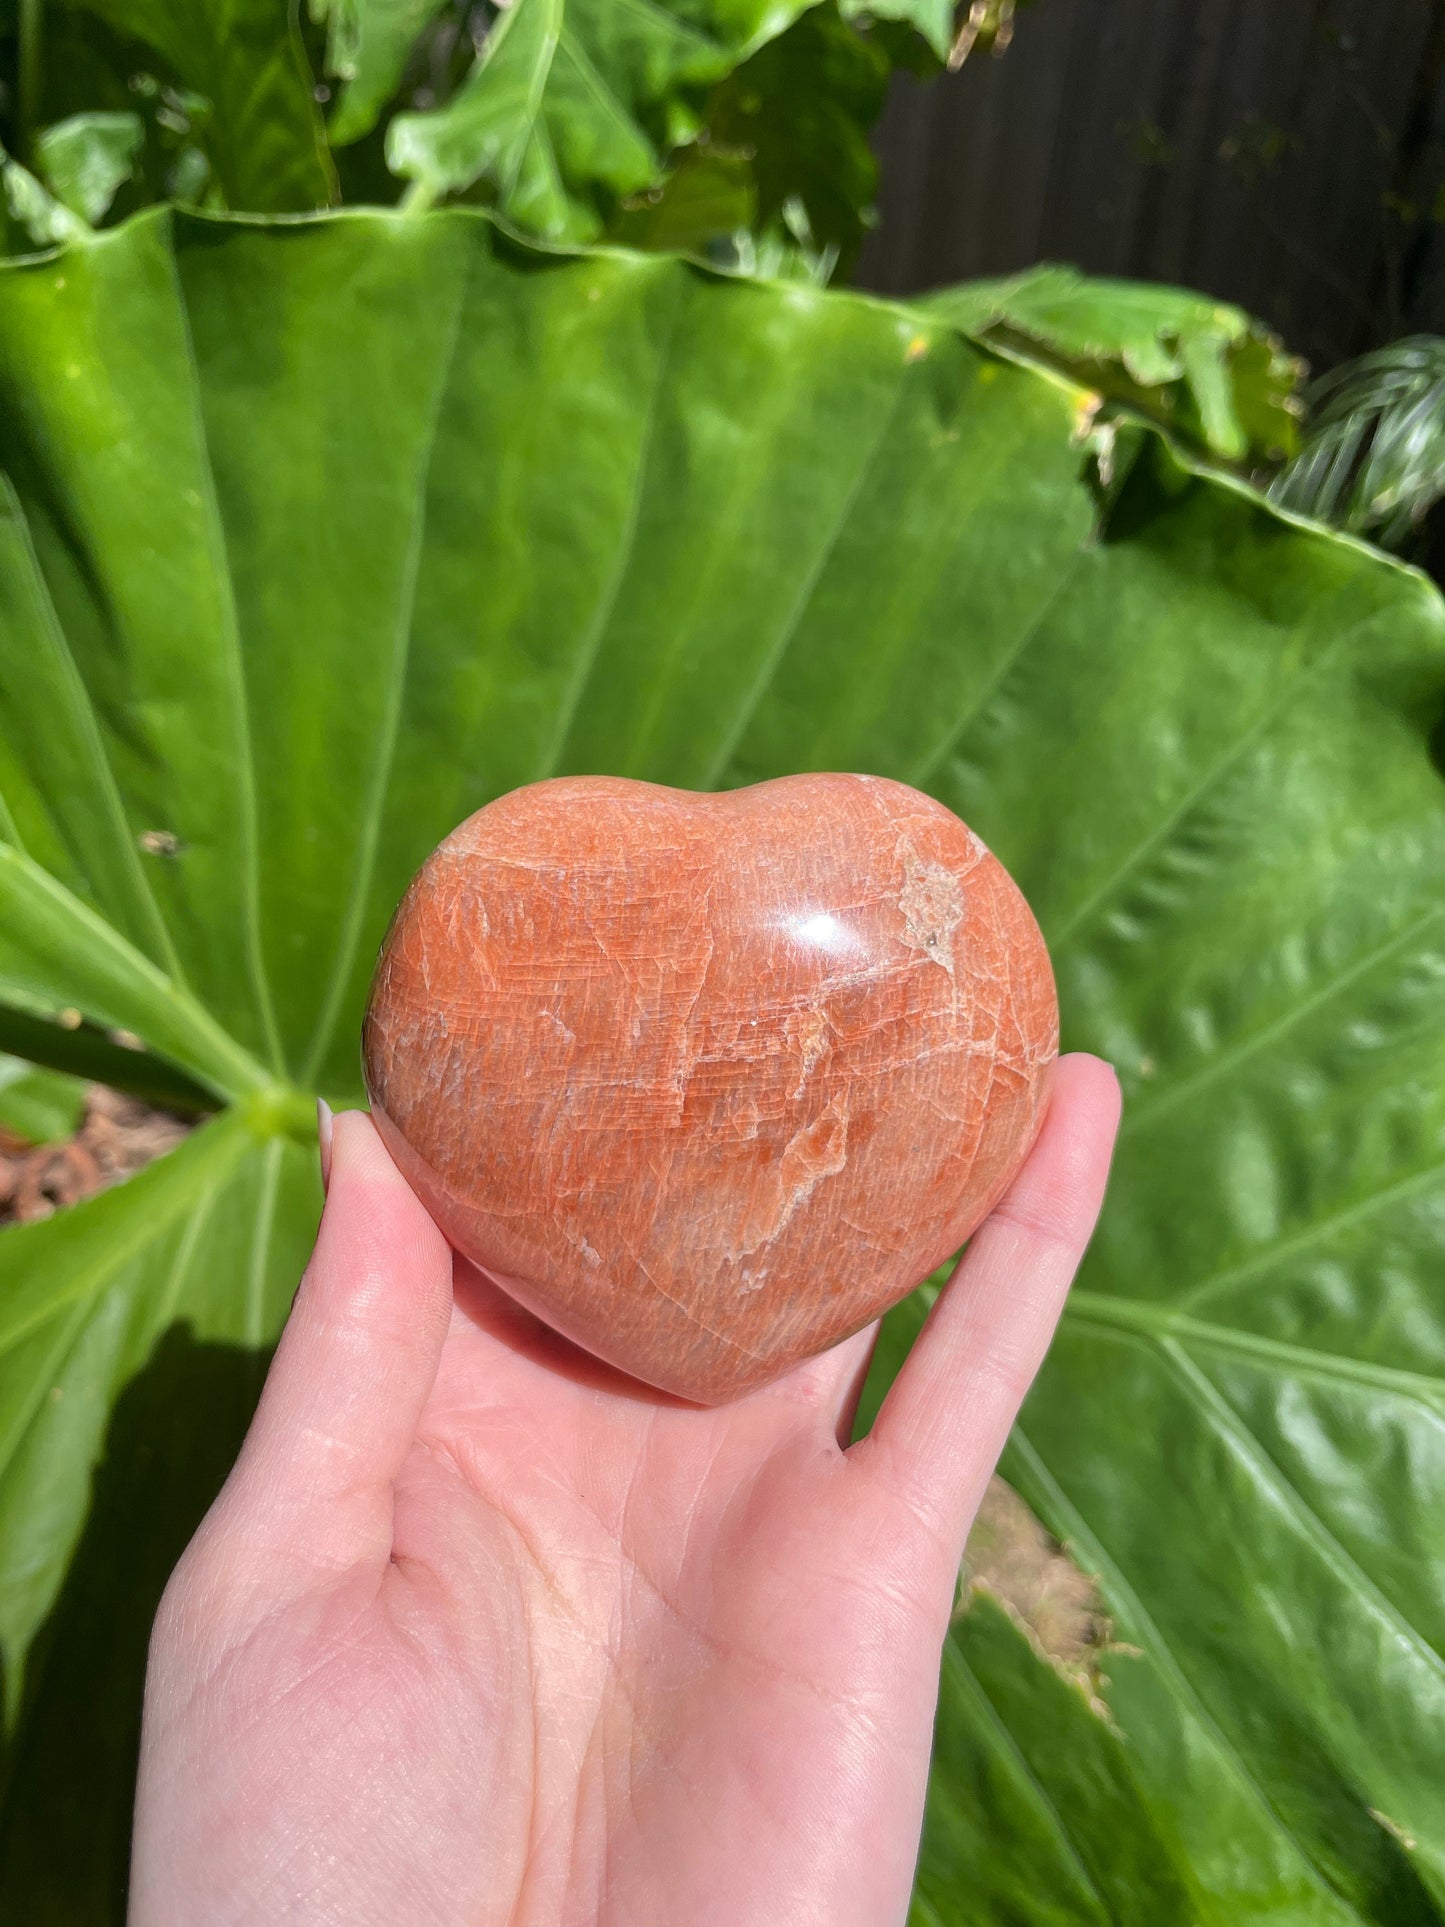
<point x="482" y="1632"/>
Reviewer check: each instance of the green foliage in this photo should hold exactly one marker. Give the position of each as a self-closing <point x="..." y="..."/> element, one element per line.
<point x="707" y="207"/>
<point x="931" y="20"/>
<point x="40" y="1106"/>
<point x="85" y="159"/>
<point x="1373" y="459"/>
<point x="1204" y="370"/>
<point x="800" y="110"/>
<point x="572" y="103"/>
<point x="33" y="216"/>
<point x="368" y="45"/>
<point x="731" y="128"/>
<point x="82" y="162"/>
<point x="322" y="534"/>
<point x="1036" y="1810"/>
<point x="782" y="180"/>
<point x="260" y="130"/>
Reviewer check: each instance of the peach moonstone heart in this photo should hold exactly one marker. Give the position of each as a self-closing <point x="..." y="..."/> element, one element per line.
<point x="710" y="1081"/>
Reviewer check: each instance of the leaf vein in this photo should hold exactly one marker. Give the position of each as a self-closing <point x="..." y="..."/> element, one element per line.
<point x="1325" y="1227"/>
<point x="369" y="838"/>
<point x="792" y="623"/>
<point x="1162" y="1321"/>
<point x="1052" y="1817"/>
<point x="532" y="112"/>
<point x="575" y="50"/>
<point x="233" y="661"/>
<point x="1213" y="774"/>
<point x="261" y="1245"/>
<point x="221" y="1144"/>
<point x="1230" y="1425"/>
<point x="1170" y="1668"/>
<point x="1166" y="1097"/>
<point x="112" y="803"/>
<point x="1011" y="657"/>
<point x="590" y="647"/>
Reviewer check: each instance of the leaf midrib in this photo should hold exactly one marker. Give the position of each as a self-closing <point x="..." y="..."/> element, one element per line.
<point x="1164" y="1322"/>
<point x="1221" y="1417"/>
<point x="531" y="115"/>
<point x="234" y="666"/>
<point x="216" y="1058"/>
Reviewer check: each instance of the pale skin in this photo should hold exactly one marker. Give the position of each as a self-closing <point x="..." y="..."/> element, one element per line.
<point x="481" y="1632"/>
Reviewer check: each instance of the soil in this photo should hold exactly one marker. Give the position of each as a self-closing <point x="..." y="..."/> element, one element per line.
<point x="117" y="1135"/>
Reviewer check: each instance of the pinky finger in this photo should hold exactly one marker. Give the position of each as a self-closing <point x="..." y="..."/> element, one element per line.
<point x="944" y="1421"/>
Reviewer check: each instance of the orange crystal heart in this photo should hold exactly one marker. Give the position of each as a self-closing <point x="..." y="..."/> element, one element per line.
<point x="708" y="1082"/>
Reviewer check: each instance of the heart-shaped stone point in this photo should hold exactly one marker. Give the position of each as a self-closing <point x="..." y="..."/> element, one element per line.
<point x="708" y="1082"/>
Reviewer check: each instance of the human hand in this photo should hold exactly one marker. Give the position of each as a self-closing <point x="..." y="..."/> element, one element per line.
<point x="482" y="1631"/>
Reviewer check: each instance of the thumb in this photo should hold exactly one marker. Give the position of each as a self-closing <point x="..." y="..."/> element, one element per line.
<point x="353" y="1371"/>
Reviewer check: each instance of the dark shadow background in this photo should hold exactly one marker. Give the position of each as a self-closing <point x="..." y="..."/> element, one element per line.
<point x="68" y="1775"/>
<point x="1287" y="155"/>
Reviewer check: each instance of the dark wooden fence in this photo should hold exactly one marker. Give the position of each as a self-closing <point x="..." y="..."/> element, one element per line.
<point x="1288" y="155"/>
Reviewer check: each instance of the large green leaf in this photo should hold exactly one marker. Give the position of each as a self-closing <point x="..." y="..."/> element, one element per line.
<point x="320" y="534"/>
<point x="1035" y="1809"/>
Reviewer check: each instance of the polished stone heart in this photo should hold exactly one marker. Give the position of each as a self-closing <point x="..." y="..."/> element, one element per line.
<point x="708" y="1082"/>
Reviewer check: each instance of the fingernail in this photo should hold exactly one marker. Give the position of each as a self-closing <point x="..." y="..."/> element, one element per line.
<point x="324" y="1121"/>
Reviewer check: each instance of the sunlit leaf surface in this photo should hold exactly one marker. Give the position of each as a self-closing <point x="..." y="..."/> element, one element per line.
<point x="321" y="534"/>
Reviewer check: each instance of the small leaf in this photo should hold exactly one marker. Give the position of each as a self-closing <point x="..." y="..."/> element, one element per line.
<point x="41" y="218"/>
<point x="367" y="46"/>
<point x="932" y="20"/>
<point x="781" y="180"/>
<point x="85" y="159"/>
<point x="801" y="107"/>
<point x="706" y="206"/>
